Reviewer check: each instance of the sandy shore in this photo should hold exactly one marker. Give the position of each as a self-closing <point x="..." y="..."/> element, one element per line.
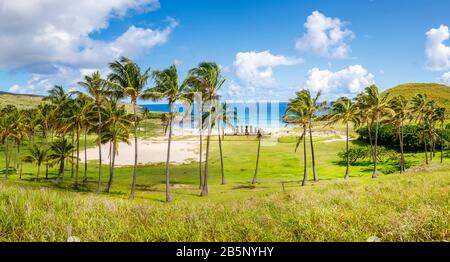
<point x="151" y="151"/>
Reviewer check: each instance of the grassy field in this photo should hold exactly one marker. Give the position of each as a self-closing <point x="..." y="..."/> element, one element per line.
<point x="394" y="207"/>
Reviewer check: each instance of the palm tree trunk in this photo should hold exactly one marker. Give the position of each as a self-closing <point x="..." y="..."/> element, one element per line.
<point x="7" y="157"/>
<point x="85" y="155"/>
<point x="61" y="171"/>
<point x="424" y="139"/>
<point x="46" y="150"/>
<point x="347" y="171"/>
<point x="257" y="161"/>
<point x="205" y="178"/>
<point x="375" y="169"/>
<point x="15" y="155"/>
<point x="201" y="145"/>
<point x="133" y="185"/>
<point x="72" y="164"/>
<point x="77" y="168"/>
<point x="38" y="172"/>
<point x="221" y="154"/>
<point x="370" y="138"/>
<point x="113" y="160"/>
<point x="402" y="155"/>
<point x="19" y="162"/>
<point x="99" y="149"/>
<point x="312" y="152"/>
<point x="168" y="196"/>
<point x="305" y="175"/>
<point x="442" y="145"/>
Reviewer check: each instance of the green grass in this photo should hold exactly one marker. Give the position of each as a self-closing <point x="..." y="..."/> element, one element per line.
<point x="438" y="92"/>
<point x="410" y="207"/>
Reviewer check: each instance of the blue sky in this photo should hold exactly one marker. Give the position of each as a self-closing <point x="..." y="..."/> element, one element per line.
<point x="264" y="46"/>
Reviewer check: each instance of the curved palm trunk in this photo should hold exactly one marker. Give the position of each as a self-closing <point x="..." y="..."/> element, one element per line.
<point x="46" y="150"/>
<point x="7" y="157"/>
<point x="208" y="139"/>
<point x="200" y="160"/>
<point x="19" y="161"/>
<point x="112" y="164"/>
<point x="312" y="152"/>
<point x="221" y="154"/>
<point x="424" y="140"/>
<point x="347" y="171"/>
<point x="370" y="139"/>
<point x="78" y="159"/>
<point x="85" y="155"/>
<point x="72" y="164"/>
<point x="257" y="161"/>
<point x="442" y="146"/>
<point x="99" y="149"/>
<point x="201" y="146"/>
<point x="168" y="196"/>
<point x="375" y="168"/>
<point x="133" y="185"/>
<point x="305" y="175"/>
<point x="402" y="156"/>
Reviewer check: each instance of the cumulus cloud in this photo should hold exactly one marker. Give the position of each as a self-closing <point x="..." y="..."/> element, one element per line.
<point x="47" y="37"/>
<point x="348" y="81"/>
<point x="325" y="36"/>
<point x="445" y="78"/>
<point x="437" y="53"/>
<point x="256" y="68"/>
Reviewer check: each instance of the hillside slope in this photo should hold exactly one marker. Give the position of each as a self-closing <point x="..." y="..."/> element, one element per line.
<point x="21" y="101"/>
<point x="438" y="92"/>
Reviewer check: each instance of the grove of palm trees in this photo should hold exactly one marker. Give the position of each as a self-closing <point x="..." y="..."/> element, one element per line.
<point x="45" y="149"/>
<point x="224" y="121"/>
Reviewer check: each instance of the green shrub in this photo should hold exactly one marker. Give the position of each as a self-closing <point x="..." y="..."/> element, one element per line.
<point x="356" y="153"/>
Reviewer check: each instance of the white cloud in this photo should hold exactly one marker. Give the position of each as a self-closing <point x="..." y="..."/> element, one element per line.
<point x="348" y="81"/>
<point x="256" y="68"/>
<point x="445" y="78"/>
<point x="48" y="38"/>
<point x="325" y="36"/>
<point x="438" y="54"/>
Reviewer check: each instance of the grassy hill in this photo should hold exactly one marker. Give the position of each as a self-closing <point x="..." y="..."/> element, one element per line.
<point x="29" y="101"/>
<point x="441" y="93"/>
<point x="21" y="101"/>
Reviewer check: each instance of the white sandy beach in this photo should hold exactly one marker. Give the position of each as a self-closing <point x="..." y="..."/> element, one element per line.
<point x="151" y="151"/>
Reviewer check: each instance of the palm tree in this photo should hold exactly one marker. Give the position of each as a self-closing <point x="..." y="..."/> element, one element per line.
<point x="45" y="117"/>
<point x="19" y="134"/>
<point x="345" y="111"/>
<point x="96" y="88"/>
<point x="165" y="122"/>
<point x="117" y="122"/>
<point x="7" y="126"/>
<point x="259" y="137"/>
<point x="376" y="106"/>
<point x="312" y="106"/>
<point x="209" y="80"/>
<point x="419" y="103"/>
<point x="127" y="77"/>
<point x="61" y="150"/>
<point x="402" y="113"/>
<point x="167" y="86"/>
<point x="296" y="113"/>
<point x="37" y="156"/>
<point x="220" y="116"/>
<point x="440" y="117"/>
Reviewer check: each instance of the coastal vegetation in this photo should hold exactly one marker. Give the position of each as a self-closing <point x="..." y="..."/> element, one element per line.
<point x="388" y="151"/>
